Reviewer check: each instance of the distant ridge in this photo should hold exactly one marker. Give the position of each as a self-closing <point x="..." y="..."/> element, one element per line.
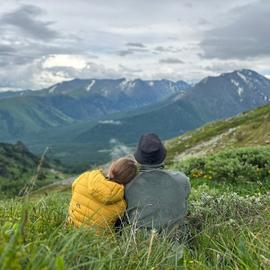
<point x="25" y="112"/>
<point x="211" y="99"/>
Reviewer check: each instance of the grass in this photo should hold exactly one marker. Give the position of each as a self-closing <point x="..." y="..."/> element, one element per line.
<point x="227" y="226"/>
<point x="251" y="129"/>
<point x="223" y="231"/>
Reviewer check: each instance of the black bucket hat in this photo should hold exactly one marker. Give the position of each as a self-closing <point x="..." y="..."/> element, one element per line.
<point x="150" y="150"/>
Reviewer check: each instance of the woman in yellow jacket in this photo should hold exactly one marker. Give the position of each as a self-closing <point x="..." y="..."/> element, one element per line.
<point x="98" y="201"/>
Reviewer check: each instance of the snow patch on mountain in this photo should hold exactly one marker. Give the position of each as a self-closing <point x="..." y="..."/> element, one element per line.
<point x="243" y="77"/>
<point x="172" y="86"/>
<point x="52" y="89"/>
<point x="240" y="92"/>
<point x="235" y="82"/>
<point x="88" y="88"/>
<point x="126" y="84"/>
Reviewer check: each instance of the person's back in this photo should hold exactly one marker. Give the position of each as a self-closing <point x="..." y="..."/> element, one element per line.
<point x="98" y="201"/>
<point x="156" y="198"/>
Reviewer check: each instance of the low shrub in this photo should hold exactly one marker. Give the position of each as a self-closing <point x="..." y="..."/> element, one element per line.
<point x="234" y="165"/>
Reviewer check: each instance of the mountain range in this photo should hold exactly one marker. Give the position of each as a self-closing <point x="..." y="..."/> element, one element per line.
<point x="210" y="99"/>
<point x="25" y="112"/>
<point x="79" y="119"/>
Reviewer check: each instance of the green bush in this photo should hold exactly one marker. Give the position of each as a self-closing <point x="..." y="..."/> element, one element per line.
<point x="234" y="165"/>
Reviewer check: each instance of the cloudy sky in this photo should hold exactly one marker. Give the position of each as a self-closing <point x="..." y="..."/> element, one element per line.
<point x="47" y="41"/>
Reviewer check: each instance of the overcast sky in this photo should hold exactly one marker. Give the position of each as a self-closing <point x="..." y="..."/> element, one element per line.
<point x="47" y="41"/>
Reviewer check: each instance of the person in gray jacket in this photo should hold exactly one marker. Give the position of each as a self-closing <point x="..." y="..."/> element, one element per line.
<point x="156" y="198"/>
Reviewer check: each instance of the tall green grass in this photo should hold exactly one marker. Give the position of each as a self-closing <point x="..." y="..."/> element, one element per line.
<point x="224" y="229"/>
<point x="222" y="232"/>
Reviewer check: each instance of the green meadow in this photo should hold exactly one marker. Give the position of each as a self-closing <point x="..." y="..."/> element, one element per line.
<point x="227" y="226"/>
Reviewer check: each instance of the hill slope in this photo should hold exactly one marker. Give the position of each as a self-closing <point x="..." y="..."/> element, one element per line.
<point x="250" y="128"/>
<point x="24" y="115"/>
<point x="18" y="166"/>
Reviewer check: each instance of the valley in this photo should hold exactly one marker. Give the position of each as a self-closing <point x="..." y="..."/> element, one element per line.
<point x="211" y="99"/>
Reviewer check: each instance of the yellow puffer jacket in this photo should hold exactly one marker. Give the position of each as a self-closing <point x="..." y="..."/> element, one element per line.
<point x="96" y="201"/>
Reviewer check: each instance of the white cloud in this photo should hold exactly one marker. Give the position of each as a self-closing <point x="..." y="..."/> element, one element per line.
<point x="50" y="41"/>
<point x="111" y="122"/>
<point x="64" y="60"/>
<point x="242" y="37"/>
<point x="119" y="149"/>
<point x="44" y="78"/>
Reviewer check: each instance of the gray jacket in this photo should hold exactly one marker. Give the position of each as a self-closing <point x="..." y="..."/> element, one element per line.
<point x="157" y="198"/>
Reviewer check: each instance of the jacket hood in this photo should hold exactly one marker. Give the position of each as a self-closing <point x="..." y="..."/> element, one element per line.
<point x="105" y="190"/>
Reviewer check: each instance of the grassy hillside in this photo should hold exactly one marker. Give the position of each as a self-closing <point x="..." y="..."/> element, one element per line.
<point x="224" y="230"/>
<point x="27" y="115"/>
<point x="18" y="166"/>
<point x="247" y="129"/>
<point x="227" y="226"/>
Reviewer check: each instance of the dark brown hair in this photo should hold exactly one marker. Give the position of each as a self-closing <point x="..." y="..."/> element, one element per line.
<point x="123" y="170"/>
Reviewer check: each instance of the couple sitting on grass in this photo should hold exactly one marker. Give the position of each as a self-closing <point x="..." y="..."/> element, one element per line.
<point x="153" y="198"/>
